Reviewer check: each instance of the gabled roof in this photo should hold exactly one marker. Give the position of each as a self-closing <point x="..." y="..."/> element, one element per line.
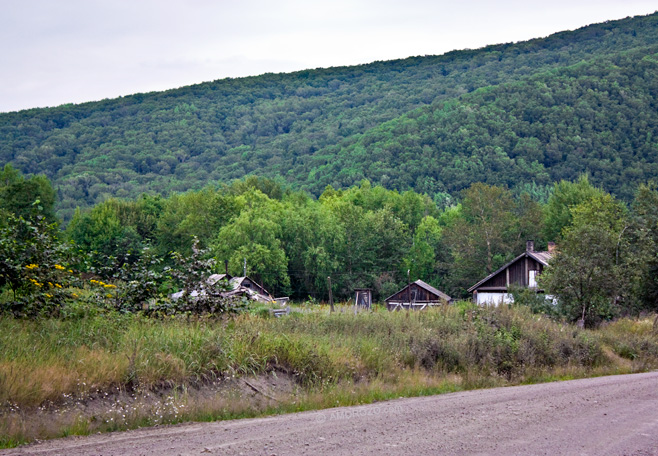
<point x="541" y="257"/>
<point x="427" y="287"/>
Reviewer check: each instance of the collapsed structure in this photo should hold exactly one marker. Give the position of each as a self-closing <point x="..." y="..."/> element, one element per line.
<point x="237" y="287"/>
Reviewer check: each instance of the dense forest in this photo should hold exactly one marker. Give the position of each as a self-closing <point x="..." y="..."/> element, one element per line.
<point x="140" y="251"/>
<point x="521" y="115"/>
<point x="598" y="117"/>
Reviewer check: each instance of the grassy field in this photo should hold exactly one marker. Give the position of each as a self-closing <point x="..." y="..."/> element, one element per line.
<point x="102" y="371"/>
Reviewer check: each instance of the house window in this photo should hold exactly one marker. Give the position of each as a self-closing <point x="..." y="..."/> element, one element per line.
<point x="532" y="279"/>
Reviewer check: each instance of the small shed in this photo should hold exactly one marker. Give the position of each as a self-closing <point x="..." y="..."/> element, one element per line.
<point x="417" y="296"/>
<point x="363" y="298"/>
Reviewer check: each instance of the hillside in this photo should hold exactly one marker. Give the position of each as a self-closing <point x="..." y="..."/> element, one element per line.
<point x="296" y="125"/>
<point x="599" y="118"/>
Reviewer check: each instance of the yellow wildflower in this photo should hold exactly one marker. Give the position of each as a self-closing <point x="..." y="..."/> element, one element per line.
<point x="48" y="295"/>
<point x="109" y="285"/>
<point x="51" y="284"/>
<point x="61" y="268"/>
<point x="31" y="266"/>
<point x="58" y="285"/>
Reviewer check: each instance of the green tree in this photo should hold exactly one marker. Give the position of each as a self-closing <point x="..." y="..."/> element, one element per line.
<point x="28" y="198"/>
<point x="104" y="234"/>
<point x="566" y="195"/>
<point x="645" y="244"/>
<point x="254" y="235"/>
<point x="483" y="235"/>
<point x="311" y="237"/>
<point x="591" y="274"/>
<point x="423" y="258"/>
<point x="199" y="214"/>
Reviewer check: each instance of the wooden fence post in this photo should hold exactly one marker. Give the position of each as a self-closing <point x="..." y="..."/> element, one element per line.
<point x="331" y="297"/>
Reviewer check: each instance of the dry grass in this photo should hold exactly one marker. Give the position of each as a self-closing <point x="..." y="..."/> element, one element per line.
<point x="108" y="371"/>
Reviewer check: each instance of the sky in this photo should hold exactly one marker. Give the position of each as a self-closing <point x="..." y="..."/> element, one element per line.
<point x="71" y="51"/>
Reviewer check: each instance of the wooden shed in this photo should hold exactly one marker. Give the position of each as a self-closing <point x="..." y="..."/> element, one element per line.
<point x="522" y="271"/>
<point x="417" y="296"/>
<point x="363" y="298"/>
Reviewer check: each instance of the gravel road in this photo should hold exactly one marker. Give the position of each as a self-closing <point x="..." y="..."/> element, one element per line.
<point x="615" y="415"/>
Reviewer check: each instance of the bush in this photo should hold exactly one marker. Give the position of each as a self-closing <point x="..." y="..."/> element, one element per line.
<point x="35" y="266"/>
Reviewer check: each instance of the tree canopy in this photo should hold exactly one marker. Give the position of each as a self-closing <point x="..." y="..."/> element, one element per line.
<point x="521" y="115"/>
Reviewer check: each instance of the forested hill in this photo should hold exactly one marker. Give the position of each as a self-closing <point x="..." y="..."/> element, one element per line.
<point x="297" y="125"/>
<point x="599" y="118"/>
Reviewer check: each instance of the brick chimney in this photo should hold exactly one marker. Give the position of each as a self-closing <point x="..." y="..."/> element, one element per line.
<point x="529" y="246"/>
<point x="551" y="247"/>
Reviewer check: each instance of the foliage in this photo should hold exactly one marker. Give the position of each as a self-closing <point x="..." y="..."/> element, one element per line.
<point x="423" y="258"/>
<point x="147" y="285"/>
<point x="31" y="198"/>
<point x="199" y="294"/>
<point x="590" y="276"/>
<point x="566" y="195"/>
<point x="644" y="235"/>
<point x="35" y="266"/>
<point x="489" y="229"/>
<point x="105" y="234"/>
<point x="254" y="236"/>
<point x="538" y="303"/>
<point x="362" y="237"/>
<point x="545" y="128"/>
<point x="351" y="358"/>
<point x="518" y="114"/>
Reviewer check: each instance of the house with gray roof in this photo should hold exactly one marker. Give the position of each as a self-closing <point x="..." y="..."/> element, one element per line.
<point x="522" y="271"/>
<point x="417" y="296"/>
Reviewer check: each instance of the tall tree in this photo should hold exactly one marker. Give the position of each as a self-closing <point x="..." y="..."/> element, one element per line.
<point x="27" y="198"/>
<point x="645" y="248"/>
<point x="104" y="233"/>
<point x="423" y="258"/>
<point x="591" y="274"/>
<point x="255" y="235"/>
<point x="482" y="237"/>
<point x="566" y="195"/>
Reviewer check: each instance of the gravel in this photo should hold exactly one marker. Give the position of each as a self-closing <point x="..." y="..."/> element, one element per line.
<point x="616" y="415"/>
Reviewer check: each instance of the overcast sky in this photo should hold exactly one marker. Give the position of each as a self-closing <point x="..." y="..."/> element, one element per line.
<point x="70" y="51"/>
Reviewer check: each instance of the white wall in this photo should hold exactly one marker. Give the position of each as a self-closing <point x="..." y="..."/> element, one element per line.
<point x="493" y="298"/>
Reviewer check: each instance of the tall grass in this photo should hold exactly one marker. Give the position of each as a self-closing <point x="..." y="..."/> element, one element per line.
<point x="334" y="359"/>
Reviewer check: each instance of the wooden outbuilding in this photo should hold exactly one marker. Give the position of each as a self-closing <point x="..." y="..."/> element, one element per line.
<point x="522" y="271"/>
<point x="363" y="298"/>
<point x="417" y="296"/>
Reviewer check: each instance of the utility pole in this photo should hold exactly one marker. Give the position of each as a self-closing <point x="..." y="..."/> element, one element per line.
<point x="331" y="297"/>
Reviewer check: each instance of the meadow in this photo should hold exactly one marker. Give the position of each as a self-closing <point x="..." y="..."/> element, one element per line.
<point x="98" y="370"/>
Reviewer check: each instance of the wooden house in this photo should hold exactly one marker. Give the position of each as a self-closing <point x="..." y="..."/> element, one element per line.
<point x="522" y="271"/>
<point x="417" y="296"/>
